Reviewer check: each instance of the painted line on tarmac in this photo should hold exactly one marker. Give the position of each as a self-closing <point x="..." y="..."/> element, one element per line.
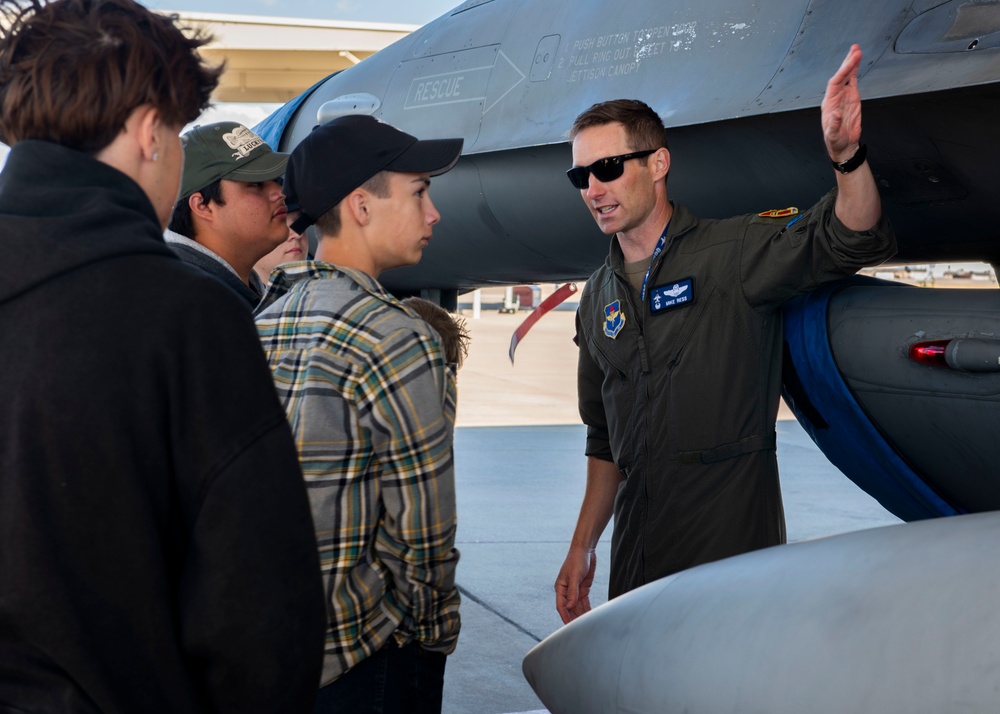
<point x="466" y="594"/>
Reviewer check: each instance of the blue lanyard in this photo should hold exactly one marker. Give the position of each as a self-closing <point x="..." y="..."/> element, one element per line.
<point x="659" y="248"/>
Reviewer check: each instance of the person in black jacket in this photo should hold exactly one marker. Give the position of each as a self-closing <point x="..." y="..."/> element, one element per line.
<point x="156" y="545"/>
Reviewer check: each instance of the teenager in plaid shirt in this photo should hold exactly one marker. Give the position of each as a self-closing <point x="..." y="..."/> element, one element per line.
<point x="366" y="388"/>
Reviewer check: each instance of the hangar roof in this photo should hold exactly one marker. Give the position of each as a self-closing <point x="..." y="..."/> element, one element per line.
<point x="274" y="59"/>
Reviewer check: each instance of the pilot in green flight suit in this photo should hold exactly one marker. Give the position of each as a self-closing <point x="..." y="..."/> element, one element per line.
<point x="680" y="345"/>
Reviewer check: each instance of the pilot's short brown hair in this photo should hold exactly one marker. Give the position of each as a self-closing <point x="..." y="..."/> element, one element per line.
<point x="643" y="126"/>
<point x="72" y="71"/>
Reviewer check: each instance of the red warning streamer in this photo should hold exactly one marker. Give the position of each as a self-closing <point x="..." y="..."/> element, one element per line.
<point x="547" y="304"/>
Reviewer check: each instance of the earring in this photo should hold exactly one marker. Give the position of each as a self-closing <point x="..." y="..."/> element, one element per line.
<point x="156" y="155"/>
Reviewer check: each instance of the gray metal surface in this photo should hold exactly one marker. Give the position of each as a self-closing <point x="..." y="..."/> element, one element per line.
<point x="895" y="620"/>
<point x="476" y="72"/>
<point x="942" y="421"/>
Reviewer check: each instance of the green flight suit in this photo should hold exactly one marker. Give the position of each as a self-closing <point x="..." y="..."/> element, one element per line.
<point x="681" y="391"/>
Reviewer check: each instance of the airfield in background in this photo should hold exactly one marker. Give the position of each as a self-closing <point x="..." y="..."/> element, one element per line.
<point x="540" y="386"/>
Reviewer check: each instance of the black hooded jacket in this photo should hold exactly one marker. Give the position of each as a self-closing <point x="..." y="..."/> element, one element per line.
<point x="156" y="544"/>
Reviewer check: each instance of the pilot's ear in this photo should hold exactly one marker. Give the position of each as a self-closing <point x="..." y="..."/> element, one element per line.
<point x="661" y="163"/>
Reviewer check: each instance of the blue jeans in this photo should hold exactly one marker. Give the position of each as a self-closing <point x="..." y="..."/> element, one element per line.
<point x="393" y="680"/>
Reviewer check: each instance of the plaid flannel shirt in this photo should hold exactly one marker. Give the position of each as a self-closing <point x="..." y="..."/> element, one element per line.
<point x="371" y="404"/>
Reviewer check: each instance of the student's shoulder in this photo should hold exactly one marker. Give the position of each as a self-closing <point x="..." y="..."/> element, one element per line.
<point x="175" y="289"/>
<point x="393" y="319"/>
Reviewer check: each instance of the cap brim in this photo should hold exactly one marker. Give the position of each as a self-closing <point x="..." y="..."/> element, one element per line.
<point x="302" y="223"/>
<point x="265" y="167"/>
<point x="433" y="156"/>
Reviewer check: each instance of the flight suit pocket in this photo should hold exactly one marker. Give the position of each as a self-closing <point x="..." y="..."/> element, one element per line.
<point x="712" y="378"/>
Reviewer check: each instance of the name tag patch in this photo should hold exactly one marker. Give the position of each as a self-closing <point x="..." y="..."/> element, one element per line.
<point x="679" y="293"/>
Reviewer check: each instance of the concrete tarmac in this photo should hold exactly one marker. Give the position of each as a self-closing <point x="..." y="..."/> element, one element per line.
<point x="520" y="479"/>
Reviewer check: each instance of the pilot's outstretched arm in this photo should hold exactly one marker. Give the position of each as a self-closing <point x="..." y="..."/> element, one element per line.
<point x="858" y="204"/>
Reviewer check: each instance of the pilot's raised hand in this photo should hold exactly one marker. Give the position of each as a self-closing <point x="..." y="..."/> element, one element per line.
<point x="842" y="109"/>
<point x="858" y="205"/>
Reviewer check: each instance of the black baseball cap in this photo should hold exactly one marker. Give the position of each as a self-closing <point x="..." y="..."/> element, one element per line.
<point x="339" y="156"/>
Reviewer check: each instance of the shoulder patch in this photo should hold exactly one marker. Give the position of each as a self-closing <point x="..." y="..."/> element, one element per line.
<point x="614" y="319"/>
<point x="779" y="212"/>
<point x="778" y="217"/>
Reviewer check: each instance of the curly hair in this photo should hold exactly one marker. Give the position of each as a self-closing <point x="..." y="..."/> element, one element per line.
<point x="451" y="328"/>
<point x="72" y="71"/>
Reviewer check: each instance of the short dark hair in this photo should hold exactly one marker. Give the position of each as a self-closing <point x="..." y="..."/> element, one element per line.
<point x="451" y="328"/>
<point x="643" y="126"/>
<point x="329" y="223"/>
<point x="72" y="71"/>
<point x="181" y="221"/>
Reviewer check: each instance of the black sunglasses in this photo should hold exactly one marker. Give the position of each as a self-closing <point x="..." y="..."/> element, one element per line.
<point x="604" y="170"/>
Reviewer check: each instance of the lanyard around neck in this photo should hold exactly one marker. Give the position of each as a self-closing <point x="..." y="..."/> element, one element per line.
<point x="659" y="248"/>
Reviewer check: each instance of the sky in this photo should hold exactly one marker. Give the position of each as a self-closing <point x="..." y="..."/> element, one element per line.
<point x="409" y="12"/>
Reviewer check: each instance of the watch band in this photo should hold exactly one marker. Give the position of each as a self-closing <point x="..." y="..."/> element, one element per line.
<point x="852" y="163"/>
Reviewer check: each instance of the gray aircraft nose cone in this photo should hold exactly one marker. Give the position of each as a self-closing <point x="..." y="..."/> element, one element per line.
<point x="572" y="670"/>
<point x="895" y="620"/>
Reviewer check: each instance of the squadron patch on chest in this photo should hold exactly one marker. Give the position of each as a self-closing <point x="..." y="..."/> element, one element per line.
<point x="679" y="293"/>
<point x="614" y="319"/>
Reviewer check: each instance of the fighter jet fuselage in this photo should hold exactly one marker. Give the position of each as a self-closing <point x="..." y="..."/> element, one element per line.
<point x="738" y="85"/>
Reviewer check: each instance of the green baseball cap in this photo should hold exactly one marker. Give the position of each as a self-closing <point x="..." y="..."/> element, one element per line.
<point x="228" y="150"/>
